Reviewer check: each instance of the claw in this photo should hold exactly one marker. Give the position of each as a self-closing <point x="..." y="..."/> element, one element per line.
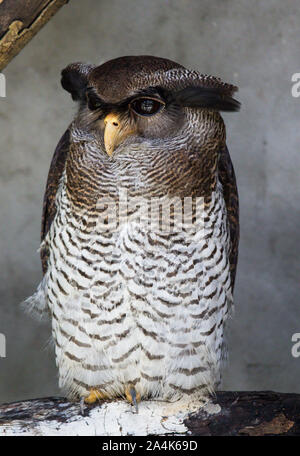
<point x="133" y="397"/>
<point x="134" y="401"/>
<point x="82" y="406"/>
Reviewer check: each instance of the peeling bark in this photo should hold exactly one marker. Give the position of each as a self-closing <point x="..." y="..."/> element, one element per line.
<point x="20" y="20"/>
<point x="228" y="413"/>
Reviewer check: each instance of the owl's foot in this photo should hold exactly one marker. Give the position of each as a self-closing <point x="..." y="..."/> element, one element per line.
<point x="133" y="396"/>
<point x="95" y="395"/>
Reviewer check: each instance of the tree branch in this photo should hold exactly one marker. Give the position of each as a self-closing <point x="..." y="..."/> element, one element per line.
<point x="228" y="413"/>
<point x="20" y="20"/>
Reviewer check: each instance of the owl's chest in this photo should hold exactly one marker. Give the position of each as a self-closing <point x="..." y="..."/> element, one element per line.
<point x="143" y="301"/>
<point x="132" y="269"/>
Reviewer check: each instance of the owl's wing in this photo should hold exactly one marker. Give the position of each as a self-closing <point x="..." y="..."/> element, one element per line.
<point x="49" y="207"/>
<point x="230" y="192"/>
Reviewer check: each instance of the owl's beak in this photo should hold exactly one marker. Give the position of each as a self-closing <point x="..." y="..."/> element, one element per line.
<point x="114" y="132"/>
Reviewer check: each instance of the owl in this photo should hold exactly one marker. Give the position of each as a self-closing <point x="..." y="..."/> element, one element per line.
<point x="138" y="309"/>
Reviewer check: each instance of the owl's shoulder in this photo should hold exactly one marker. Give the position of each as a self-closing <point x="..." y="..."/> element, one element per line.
<point x="54" y="176"/>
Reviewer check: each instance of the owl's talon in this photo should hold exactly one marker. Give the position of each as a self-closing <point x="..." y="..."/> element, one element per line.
<point x="82" y="406"/>
<point x="133" y="397"/>
<point x="95" y="395"/>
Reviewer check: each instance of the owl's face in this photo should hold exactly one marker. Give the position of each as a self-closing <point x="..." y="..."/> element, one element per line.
<point x="131" y="100"/>
<point x="146" y="115"/>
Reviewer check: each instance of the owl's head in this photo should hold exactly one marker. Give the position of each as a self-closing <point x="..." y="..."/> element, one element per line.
<point x="145" y="98"/>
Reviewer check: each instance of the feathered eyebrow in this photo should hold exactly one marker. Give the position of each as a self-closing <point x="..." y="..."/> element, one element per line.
<point x="156" y="91"/>
<point x="214" y="98"/>
<point x="95" y="102"/>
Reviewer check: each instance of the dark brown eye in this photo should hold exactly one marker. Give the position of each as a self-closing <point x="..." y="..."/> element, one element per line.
<point x="146" y="106"/>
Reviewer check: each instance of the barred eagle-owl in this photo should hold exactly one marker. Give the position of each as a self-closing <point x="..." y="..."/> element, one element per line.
<point x="139" y="311"/>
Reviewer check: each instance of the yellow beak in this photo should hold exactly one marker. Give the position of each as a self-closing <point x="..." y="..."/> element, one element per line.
<point x="111" y="132"/>
<point x="114" y="132"/>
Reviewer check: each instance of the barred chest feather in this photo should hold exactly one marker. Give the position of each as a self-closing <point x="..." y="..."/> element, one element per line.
<point x="137" y="306"/>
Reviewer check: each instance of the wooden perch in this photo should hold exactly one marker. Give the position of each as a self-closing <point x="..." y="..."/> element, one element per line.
<point x="228" y="413"/>
<point x="20" y="20"/>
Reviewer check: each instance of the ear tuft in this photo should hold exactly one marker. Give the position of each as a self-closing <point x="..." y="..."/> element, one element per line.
<point x="206" y="97"/>
<point x="74" y="79"/>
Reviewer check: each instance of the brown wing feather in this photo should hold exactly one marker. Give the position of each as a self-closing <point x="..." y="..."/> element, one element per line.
<point x="228" y="181"/>
<point x="49" y="208"/>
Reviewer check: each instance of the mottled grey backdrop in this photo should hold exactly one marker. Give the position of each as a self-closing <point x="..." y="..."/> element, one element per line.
<point x="254" y="44"/>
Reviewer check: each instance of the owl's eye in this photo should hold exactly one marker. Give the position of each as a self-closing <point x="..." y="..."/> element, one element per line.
<point x="146" y="106"/>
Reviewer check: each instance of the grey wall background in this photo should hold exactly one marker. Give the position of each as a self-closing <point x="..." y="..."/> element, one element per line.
<point x="254" y="44"/>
